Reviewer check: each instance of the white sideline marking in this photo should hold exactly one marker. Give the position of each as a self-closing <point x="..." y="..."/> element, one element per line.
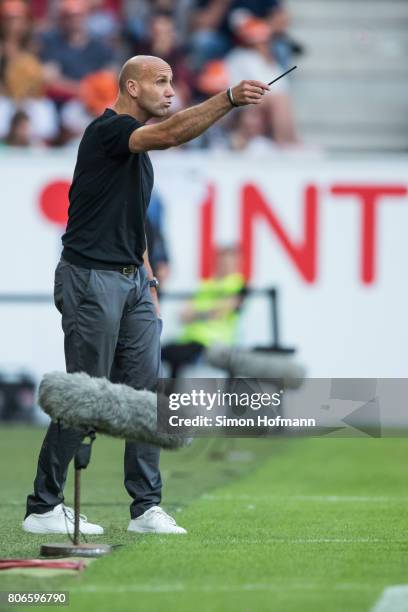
<point x="393" y="599"/>
<point x="208" y="588"/>
<point x="319" y="498"/>
<point x="280" y="540"/>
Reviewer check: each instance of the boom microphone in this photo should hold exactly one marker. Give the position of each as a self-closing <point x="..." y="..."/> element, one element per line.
<point x="81" y="401"/>
<point x="241" y="362"/>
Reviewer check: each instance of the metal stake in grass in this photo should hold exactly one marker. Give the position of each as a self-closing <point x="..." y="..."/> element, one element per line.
<point x="75" y="549"/>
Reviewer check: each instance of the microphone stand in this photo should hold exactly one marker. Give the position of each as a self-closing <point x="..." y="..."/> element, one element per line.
<point x="75" y="548"/>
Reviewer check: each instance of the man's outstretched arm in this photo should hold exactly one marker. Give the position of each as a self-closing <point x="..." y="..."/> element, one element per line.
<point x="191" y="122"/>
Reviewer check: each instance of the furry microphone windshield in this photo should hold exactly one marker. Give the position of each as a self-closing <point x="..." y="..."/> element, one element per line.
<point x="240" y="362"/>
<point x="83" y="402"/>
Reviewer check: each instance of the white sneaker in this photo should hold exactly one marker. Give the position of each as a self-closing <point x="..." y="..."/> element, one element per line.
<point x="59" y="520"/>
<point x="155" y="520"/>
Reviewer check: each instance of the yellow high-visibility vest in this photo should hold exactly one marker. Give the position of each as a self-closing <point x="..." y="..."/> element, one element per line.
<point x="210" y="295"/>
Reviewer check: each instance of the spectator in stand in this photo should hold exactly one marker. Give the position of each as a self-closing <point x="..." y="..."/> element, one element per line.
<point x="253" y="59"/>
<point x="43" y="13"/>
<point x="212" y="79"/>
<point x="213" y="23"/>
<point x="103" y="20"/>
<point x="15" y="32"/>
<point x="162" y="42"/>
<point x="70" y="53"/>
<point x="137" y="15"/>
<point x="210" y="38"/>
<point x="276" y="16"/>
<point x="24" y="86"/>
<point x="97" y="92"/>
<point x="250" y="133"/>
<point x="20" y="131"/>
<point x="167" y="6"/>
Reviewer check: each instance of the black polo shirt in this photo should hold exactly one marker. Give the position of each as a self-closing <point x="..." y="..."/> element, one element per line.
<point x="109" y="196"/>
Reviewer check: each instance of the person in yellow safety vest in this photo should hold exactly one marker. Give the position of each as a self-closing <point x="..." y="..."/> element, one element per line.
<point x="212" y="314"/>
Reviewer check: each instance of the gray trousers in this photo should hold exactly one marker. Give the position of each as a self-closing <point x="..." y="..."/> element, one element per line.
<point x="110" y="329"/>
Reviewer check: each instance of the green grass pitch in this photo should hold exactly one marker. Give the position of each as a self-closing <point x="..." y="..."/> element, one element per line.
<point x="274" y="525"/>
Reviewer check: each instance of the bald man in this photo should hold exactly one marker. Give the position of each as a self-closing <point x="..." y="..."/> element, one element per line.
<point x="104" y="288"/>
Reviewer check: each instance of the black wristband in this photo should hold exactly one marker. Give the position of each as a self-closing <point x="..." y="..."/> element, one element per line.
<point x="231" y="97"/>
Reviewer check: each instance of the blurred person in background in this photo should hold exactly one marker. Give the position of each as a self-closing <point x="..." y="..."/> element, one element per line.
<point x="253" y="57"/>
<point x="250" y="134"/>
<point x="97" y="91"/>
<point x="211" y="317"/>
<point x="212" y="79"/>
<point x="161" y="40"/>
<point x="70" y="53"/>
<point x="276" y="16"/>
<point x="210" y="35"/>
<point x="24" y="89"/>
<point x="40" y="12"/>
<point x="137" y="15"/>
<point x="213" y="22"/>
<point x="15" y="33"/>
<point x="156" y="242"/>
<point x="103" y="20"/>
<point x="19" y="134"/>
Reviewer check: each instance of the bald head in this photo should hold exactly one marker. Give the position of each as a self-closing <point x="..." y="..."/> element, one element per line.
<point x="141" y="67"/>
<point x="145" y="88"/>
